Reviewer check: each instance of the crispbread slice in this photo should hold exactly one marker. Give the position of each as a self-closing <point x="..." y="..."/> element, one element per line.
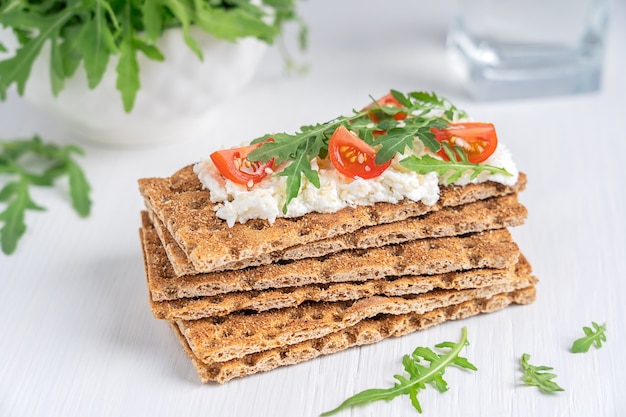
<point x="365" y="332"/>
<point x="490" y="249"/>
<point x="219" y="339"/>
<point x="491" y="213"/>
<point x="188" y="214"/>
<point x="221" y="305"/>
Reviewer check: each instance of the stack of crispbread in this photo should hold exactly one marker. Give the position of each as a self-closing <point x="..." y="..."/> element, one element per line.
<point x="256" y="296"/>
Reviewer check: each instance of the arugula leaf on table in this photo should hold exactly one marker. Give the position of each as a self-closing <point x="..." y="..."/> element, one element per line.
<point x="424" y="366"/>
<point x="56" y="161"/>
<point x="592" y="337"/>
<point x="536" y="376"/>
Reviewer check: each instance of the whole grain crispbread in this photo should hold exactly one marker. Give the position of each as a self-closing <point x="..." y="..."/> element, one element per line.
<point x="186" y="210"/>
<point x="220" y="339"/>
<point x="489" y="249"/>
<point x="223" y="304"/>
<point x="365" y="332"/>
<point x="491" y="213"/>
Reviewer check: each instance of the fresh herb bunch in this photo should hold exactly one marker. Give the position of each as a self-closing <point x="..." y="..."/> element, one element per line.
<point x="92" y="31"/>
<point x="536" y="376"/>
<point x="21" y="161"/>
<point x="594" y="336"/>
<point x="424" y="366"/>
<point x="426" y="111"/>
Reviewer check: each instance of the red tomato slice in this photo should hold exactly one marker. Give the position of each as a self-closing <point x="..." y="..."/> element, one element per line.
<point x="387" y="100"/>
<point x="234" y="165"/>
<point x="353" y="157"/>
<point x="479" y="140"/>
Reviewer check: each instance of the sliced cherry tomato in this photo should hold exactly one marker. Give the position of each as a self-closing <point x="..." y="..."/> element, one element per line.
<point x="234" y="165"/>
<point x="353" y="157"/>
<point x="479" y="140"/>
<point x="387" y="100"/>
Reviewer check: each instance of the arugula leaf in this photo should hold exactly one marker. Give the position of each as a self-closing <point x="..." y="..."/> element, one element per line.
<point x="16" y="192"/>
<point x="128" y="68"/>
<point x="299" y="149"/>
<point x="231" y="24"/>
<point x="16" y="69"/>
<point x="397" y="139"/>
<point x="424" y="366"/>
<point x="436" y="102"/>
<point x="152" y="12"/>
<point x="79" y="188"/>
<point x="427" y="163"/>
<point x="300" y="166"/>
<point x="70" y="51"/>
<point x="536" y="376"/>
<point x="179" y="9"/>
<point x="96" y="44"/>
<point x="592" y="337"/>
<point x="57" y="70"/>
<point x="148" y="50"/>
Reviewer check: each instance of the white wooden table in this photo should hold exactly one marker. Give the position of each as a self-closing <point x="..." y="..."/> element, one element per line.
<point x="78" y="337"/>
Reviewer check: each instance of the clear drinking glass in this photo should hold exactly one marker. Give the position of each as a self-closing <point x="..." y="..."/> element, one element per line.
<point x="506" y="49"/>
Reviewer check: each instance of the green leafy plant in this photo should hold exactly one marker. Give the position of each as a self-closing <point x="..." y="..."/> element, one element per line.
<point x="424" y="366"/>
<point x="536" y="376"/>
<point x="27" y="163"/>
<point x="92" y="31"/>
<point x="594" y="336"/>
<point x="390" y="136"/>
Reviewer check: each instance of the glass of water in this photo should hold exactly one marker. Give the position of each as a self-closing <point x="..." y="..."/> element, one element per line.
<point x="508" y="49"/>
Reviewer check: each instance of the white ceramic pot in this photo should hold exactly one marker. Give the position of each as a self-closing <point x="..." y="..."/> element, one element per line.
<point x="175" y="98"/>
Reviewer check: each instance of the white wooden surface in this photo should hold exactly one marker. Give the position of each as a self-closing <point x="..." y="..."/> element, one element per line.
<point x="78" y="338"/>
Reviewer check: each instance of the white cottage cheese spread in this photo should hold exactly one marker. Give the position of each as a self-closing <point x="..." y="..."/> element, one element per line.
<point x="238" y="203"/>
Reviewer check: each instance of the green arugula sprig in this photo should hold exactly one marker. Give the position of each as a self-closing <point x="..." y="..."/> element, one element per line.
<point x="426" y="111"/>
<point x="17" y="159"/>
<point x="92" y="31"/>
<point x="457" y="165"/>
<point x="536" y="376"/>
<point x="424" y="366"/>
<point x="594" y="336"/>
